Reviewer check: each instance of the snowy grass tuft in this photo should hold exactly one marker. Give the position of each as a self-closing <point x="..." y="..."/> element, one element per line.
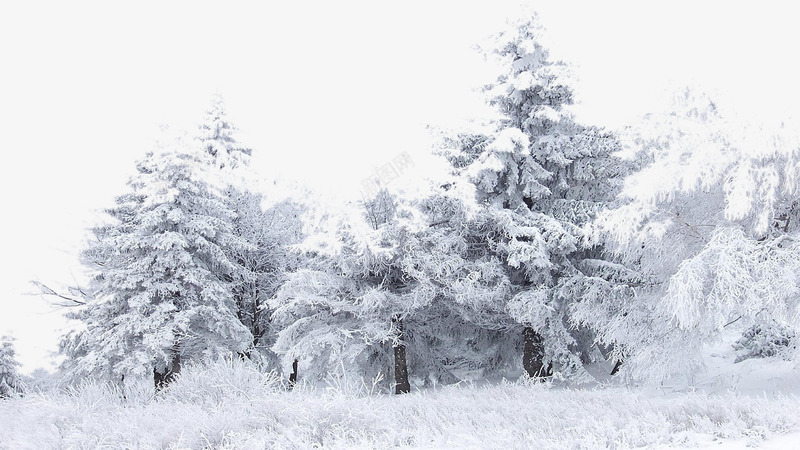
<point x="223" y="381"/>
<point x="229" y="404"/>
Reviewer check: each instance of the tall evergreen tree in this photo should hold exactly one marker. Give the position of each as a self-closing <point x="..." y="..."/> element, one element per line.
<point x="159" y="295"/>
<point x="540" y="176"/>
<point x="347" y="307"/>
<point x="259" y="267"/>
<point x="217" y="136"/>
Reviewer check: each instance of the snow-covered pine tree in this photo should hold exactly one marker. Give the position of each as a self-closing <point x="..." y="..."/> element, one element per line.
<point x="541" y="176"/>
<point x="381" y="214"/>
<point x="345" y="310"/>
<point x="159" y="295"/>
<point x="217" y="136"/>
<point x="260" y="267"/>
<point x="415" y="274"/>
<point x="10" y="381"/>
<point x="711" y="226"/>
<point x="462" y="333"/>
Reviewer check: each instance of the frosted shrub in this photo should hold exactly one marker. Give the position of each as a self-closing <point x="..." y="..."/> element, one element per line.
<point x="764" y="340"/>
<point x="40" y="381"/>
<point x="340" y="382"/>
<point x="90" y="392"/>
<point x="220" y="380"/>
<point x="93" y="415"/>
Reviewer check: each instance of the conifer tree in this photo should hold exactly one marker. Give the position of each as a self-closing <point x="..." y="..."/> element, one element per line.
<point x="463" y="332"/>
<point x="540" y="176"/>
<point x="260" y="266"/>
<point x="399" y="285"/>
<point x="160" y="295"/>
<point x="217" y="136"/>
<point x="346" y="308"/>
<point x="10" y="381"/>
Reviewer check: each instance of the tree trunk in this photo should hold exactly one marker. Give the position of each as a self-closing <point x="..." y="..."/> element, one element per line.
<point x="163" y="379"/>
<point x="616" y="367"/>
<point x="533" y="355"/>
<point x="402" y="385"/>
<point x="248" y="354"/>
<point x="606" y="352"/>
<point x="293" y="375"/>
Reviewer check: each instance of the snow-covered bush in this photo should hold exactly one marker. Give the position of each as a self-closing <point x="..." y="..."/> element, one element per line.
<point x="765" y="339"/>
<point x="226" y="378"/>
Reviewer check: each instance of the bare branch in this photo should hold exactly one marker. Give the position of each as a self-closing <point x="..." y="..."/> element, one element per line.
<point x="76" y="296"/>
<point x="732" y="321"/>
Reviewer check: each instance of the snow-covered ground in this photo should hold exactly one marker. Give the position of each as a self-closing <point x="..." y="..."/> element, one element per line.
<point x="231" y="405"/>
<point x="755" y="377"/>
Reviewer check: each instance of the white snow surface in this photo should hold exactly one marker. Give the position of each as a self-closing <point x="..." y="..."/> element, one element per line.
<point x="230" y="404"/>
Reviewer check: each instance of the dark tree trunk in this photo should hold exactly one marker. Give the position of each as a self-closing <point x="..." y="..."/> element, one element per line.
<point x="616" y="367"/>
<point x="162" y="379"/>
<point x="258" y="333"/>
<point x="533" y="355"/>
<point x="402" y="385"/>
<point x="606" y="352"/>
<point x="293" y="375"/>
<point x="248" y="354"/>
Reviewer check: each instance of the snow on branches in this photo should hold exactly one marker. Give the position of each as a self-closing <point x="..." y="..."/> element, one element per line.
<point x="539" y="177"/>
<point x="10" y="381"/>
<point x="159" y="293"/>
<point x="710" y="223"/>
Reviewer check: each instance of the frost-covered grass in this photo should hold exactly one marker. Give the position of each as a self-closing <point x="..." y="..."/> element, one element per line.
<point x="231" y="405"/>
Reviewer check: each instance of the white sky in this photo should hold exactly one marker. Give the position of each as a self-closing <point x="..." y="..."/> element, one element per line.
<point x="323" y="91"/>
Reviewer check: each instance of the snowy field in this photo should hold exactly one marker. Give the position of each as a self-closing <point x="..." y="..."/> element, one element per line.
<point x="508" y="236"/>
<point x="232" y="405"/>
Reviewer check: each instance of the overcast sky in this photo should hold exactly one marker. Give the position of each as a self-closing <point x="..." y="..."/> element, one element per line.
<point x="324" y="92"/>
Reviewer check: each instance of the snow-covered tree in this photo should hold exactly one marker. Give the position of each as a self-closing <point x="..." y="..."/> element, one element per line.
<point x="347" y="308"/>
<point x="710" y="225"/>
<point x="260" y="266"/>
<point x="408" y="281"/>
<point x="217" y="136"/>
<point x="10" y="381"/>
<point x="462" y="333"/>
<point x="160" y="295"/>
<point x="263" y="265"/>
<point x="540" y="176"/>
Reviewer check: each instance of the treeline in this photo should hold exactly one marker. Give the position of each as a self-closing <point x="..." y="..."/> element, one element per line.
<point x="550" y="246"/>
